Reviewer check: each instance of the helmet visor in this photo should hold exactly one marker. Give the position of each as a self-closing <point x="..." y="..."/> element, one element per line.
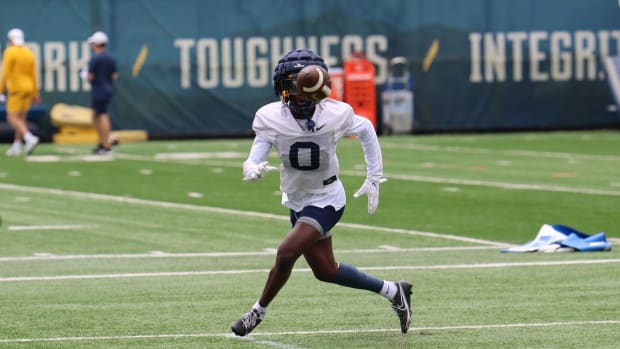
<point x="290" y="85"/>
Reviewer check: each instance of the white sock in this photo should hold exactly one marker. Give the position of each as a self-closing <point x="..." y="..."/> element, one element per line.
<point x="260" y="309"/>
<point x="28" y="137"/>
<point x="17" y="145"/>
<point x="389" y="290"/>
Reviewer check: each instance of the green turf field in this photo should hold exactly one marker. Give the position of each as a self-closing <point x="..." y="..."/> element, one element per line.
<point x="163" y="246"/>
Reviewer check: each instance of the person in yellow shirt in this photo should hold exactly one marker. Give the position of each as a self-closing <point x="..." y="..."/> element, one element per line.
<point x="19" y="78"/>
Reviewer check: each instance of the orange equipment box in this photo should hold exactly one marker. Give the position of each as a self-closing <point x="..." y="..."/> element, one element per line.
<point x="359" y="86"/>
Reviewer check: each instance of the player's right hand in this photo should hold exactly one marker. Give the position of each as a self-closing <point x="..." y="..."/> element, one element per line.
<point x="254" y="172"/>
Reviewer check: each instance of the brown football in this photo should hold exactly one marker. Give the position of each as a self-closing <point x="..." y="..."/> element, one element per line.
<point x="313" y="82"/>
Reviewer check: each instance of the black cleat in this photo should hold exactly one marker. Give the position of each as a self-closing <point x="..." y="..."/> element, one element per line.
<point x="402" y="304"/>
<point x="246" y="324"/>
<point x="100" y="150"/>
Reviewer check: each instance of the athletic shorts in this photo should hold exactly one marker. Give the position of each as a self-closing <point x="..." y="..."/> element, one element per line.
<point x="323" y="219"/>
<point x="100" y="106"/>
<point x="18" y="102"/>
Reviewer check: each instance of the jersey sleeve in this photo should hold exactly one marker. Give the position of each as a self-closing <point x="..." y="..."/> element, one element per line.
<point x="259" y="151"/>
<point x="363" y="129"/>
<point x="262" y="141"/>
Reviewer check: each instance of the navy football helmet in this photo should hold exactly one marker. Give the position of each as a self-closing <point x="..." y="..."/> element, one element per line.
<point x="285" y="78"/>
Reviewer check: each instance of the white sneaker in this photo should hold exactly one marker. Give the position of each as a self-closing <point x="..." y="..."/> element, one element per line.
<point x="13" y="152"/>
<point x="31" y="145"/>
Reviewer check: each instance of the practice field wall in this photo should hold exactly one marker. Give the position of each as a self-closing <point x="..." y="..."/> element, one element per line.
<point x="202" y="68"/>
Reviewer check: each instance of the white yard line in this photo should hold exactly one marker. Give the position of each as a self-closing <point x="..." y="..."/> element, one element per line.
<point x="306" y="333"/>
<point x="493" y="184"/>
<point x="442" y="180"/>
<point x="306" y="270"/>
<point x="271" y="252"/>
<point x="163" y="204"/>
<point x="175" y="157"/>
<point x="49" y="227"/>
<point x="512" y="152"/>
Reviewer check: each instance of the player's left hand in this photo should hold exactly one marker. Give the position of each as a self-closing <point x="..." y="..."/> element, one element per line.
<point x="254" y="172"/>
<point x="370" y="188"/>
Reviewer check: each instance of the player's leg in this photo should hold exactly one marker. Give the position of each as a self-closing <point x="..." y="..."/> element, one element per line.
<point x="102" y="123"/>
<point x="17" y="108"/>
<point x="325" y="268"/>
<point x="13" y="119"/>
<point x="296" y="241"/>
<point x="31" y="141"/>
<point x="320" y="255"/>
<point x="104" y="130"/>
<point x="320" y="258"/>
<point x="291" y="248"/>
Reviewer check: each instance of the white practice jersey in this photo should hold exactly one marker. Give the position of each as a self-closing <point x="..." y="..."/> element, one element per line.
<point x="309" y="163"/>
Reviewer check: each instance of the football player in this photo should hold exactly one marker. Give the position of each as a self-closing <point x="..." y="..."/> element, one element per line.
<point x="305" y="134"/>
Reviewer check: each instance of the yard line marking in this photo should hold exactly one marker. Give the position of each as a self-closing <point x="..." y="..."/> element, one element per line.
<point x="200" y="156"/>
<point x="49" y="227"/>
<point x="306" y="270"/>
<point x="441" y="180"/>
<point x="164" y="204"/>
<point x="304" y="333"/>
<point x="160" y="157"/>
<point x="390" y="248"/>
<point x="43" y="256"/>
<point x="535" y="324"/>
<point x="493" y="184"/>
<point x="517" y="152"/>
<point x="444" y="328"/>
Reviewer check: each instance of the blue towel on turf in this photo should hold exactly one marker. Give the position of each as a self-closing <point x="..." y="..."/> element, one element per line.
<point x="597" y="242"/>
<point x="562" y="238"/>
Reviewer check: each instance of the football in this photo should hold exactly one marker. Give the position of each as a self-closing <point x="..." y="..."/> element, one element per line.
<point x="313" y="83"/>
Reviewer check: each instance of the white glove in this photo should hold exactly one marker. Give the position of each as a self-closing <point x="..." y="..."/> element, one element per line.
<point x="84" y="74"/>
<point x="2" y="98"/>
<point x="254" y="172"/>
<point x="370" y="188"/>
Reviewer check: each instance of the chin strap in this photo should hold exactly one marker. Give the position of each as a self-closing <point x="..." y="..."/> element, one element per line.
<point x="305" y="110"/>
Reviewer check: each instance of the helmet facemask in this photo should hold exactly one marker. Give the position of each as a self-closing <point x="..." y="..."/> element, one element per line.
<point x="285" y="80"/>
<point x="294" y="100"/>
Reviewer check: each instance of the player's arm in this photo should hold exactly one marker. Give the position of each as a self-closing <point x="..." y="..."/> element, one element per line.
<point x="256" y="165"/>
<point x="363" y="129"/>
<point x="90" y="73"/>
<point x="365" y="132"/>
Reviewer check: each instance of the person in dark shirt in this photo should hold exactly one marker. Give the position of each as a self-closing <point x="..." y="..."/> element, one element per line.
<point x="101" y="74"/>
